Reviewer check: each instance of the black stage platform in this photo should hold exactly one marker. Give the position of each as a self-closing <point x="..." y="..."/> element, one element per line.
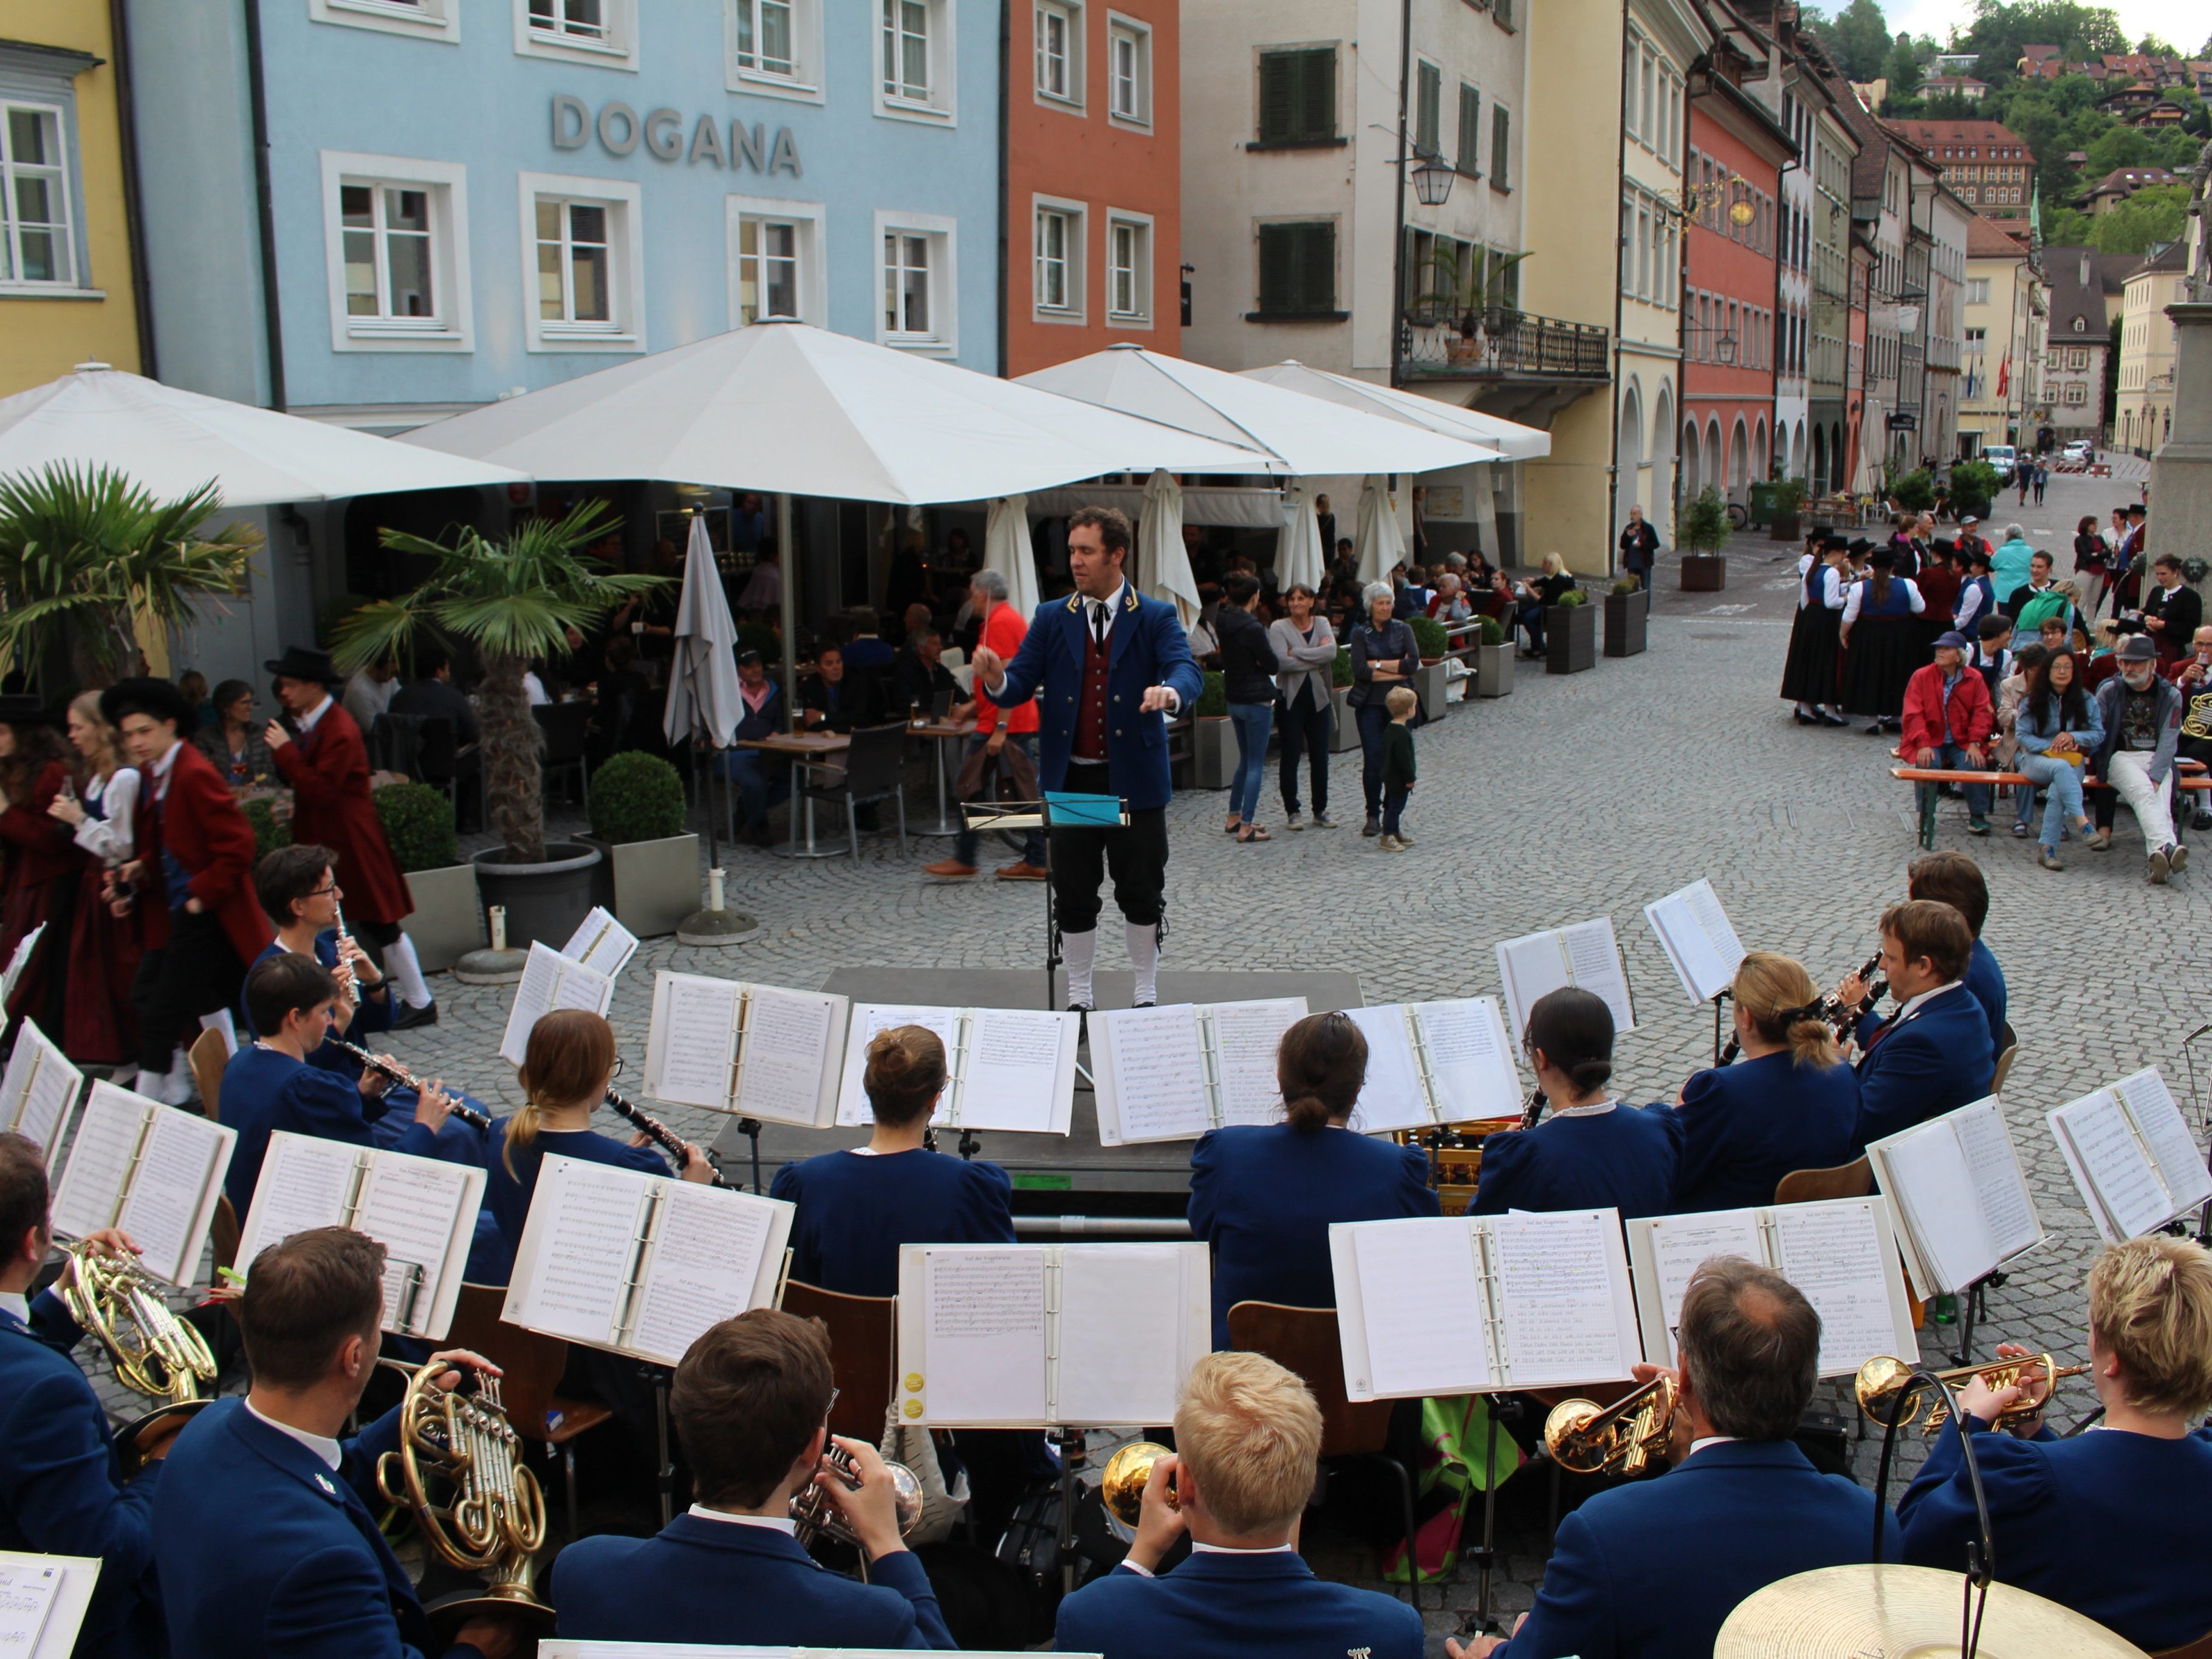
<point x="1072" y="1176"/>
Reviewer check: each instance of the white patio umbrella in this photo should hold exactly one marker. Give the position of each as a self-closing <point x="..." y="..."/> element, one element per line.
<point x="703" y="699"/>
<point x="1297" y="550"/>
<point x="1512" y="441"/>
<point x="1162" y="560"/>
<point x="785" y="407"/>
<point x="173" y="441"/>
<point x="1380" y="545"/>
<point x="1006" y="549"/>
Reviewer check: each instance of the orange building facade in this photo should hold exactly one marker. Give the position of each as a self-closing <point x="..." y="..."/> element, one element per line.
<point x="1092" y="172"/>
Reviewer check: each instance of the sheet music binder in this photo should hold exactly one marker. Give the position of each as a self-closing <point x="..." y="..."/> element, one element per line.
<point x="2147" y="1138"/>
<point x="736" y="1040"/>
<point x="1517" y="1013"/>
<point x="66" y="1195"/>
<point x="1435" y="1111"/>
<point x="1205" y="1016"/>
<point x="952" y="1110"/>
<point x="38" y="1057"/>
<point x="1921" y="1260"/>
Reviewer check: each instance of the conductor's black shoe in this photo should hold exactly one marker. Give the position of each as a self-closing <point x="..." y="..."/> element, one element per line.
<point x="411" y="1017"/>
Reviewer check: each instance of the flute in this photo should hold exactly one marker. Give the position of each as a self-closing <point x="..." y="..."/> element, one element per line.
<point x="346" y="961"/>
<point x="400" y="1074"/>
<point x="656" y="1132"/>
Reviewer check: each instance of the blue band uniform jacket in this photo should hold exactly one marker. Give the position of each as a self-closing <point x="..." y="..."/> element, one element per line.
<point x="1238" y="1604"/>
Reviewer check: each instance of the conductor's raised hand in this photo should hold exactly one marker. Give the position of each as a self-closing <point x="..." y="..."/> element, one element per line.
<point x="1159" y="1523"/>
<point x="990" y="666"/>
<point x="1160" y="700"/>
<point x="871" y="1508"/>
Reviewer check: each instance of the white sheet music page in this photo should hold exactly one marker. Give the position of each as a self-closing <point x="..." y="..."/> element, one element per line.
<point x="602" y="944"/>
<point x="549" y="980"/>
<point x="867" y="1019"/>
<point x="984" y="1349"/>
<point x="573" y="1265"/>
<point x="16" y="963"/>
<point x="184" y="1156"/>
<point x="30" y="1596"/>
<point x="1699" y="939"/>
<point x="1117" y="1362"/>
<point x="2158" y="1120"/>
<point x="1832" y="1253"/>
<point x="1021" y="1069"/>
<point x="1563" y="1294"/>
<point x="701" y="1267"/>
<point x="1470" y="1059"/>
<point x="413" y="1206"/>
<point x="91" y="1191"/>
<point x="1530" y="968"/>
<point x="38" y="1088"/>
<point x="1681" y="1244"/>
<point x="1422" y="1297"/>
<point x="1595" y="956"/>
<point x="2007" y="1209"/>
<point x="1246" y="1036"/>
<point x="1392" y="1097"/>
<point x="1155" y="1066"/>
<point x="786" y="1053"/>
<point x="694" y="1040"/>
<point x="305" y="1181"/>
<point x="1936" y="1193"/>
<point x="2121" y="1179"/>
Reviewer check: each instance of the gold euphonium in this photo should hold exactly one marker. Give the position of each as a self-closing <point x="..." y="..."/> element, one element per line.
<point x="1880" y="1382"/>
<point x="1129" y="1472"/>
<point x="1585" y="1438"/>
<point x="817" y="1518"/>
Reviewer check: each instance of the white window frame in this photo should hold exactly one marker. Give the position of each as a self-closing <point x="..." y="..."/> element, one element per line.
<point x="1141" y="316"/>
<point x="624" y="332"/>
<point x="1075" y="259"/>
<point x="1072" y="67"/>
<point x="812" y="220"/>
<point x="944" y="337"/>
<point x="617" y="51"/>
<point x="425" y="20"/>
<point x="69" y="227"/>
<point x="1121" y="30"/>
<point x="454" y="329"/>
<point x="939" y="107"/>
<point x="804" y="83"/>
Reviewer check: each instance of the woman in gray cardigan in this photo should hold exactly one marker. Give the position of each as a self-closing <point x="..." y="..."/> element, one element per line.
<point x="1307" y="647"/>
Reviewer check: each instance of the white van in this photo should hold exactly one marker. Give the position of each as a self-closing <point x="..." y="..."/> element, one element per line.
<point x="2003" y="457"/>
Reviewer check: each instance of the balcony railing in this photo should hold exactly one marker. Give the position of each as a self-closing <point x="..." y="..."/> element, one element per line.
<point x="1513" y="345"/>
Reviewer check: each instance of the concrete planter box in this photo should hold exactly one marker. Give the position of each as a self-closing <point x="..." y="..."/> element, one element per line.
<point x="1429" y="682"/>
<point x="1494" y="670"/>
<point x="1214" y="751"/>
<point x="650" y="885"/>
<point x="447" y="923"/>
<point x="1570" y="638"/>
<point x="1344" y="731"/>
<point x="1627" y="616"/>
<point x="1703" y="572"/>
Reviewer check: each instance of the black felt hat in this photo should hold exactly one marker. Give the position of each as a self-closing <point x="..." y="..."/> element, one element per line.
<point x="159" y="699"/>
<point x="301" y="662"/>
<point x="18" y="708"/>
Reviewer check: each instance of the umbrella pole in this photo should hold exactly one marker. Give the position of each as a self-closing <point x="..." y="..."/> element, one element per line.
<point x="789" y="605"/>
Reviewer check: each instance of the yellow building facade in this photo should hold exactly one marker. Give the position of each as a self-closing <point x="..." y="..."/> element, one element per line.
<point x="67" y="291"/>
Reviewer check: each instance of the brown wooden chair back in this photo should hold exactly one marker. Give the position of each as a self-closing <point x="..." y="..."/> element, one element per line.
<point x="531" y="1363"/>
<point x="1305" y="1341"/>
<point x="222" y="1233"/>
<point x="2010" y="1048"/>
<point x="2200" y="1648"/>
<point x="863" y="1354"/>
<point x="209" y="1055"/>
<point x="1851" y="1180"/>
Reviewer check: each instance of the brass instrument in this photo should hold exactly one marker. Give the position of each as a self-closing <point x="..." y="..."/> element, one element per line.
<point x="814" y="1516"/>
<point x="1881" y="1383"/>
<point x="405" y="1079"/>
<point x="1129" y="1472"/>
<point x="1585" y="1438"/>
<point x="154" y="1352"/>
<point x="460" y="1470"/>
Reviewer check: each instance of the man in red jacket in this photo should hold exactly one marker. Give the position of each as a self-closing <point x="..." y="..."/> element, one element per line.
<point x="192" y="878"/>
<point x="320" y="751"/>
<point x="1948" y="719"/>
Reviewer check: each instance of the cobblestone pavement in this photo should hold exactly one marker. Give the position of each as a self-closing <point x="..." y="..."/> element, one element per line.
<point x="1574" y="797"/>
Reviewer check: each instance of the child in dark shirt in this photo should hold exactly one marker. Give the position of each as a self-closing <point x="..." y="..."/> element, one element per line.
<point x="1397" y="766"/>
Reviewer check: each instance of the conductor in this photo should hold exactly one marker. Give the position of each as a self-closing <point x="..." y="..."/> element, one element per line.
<point x="1107" y="667"/>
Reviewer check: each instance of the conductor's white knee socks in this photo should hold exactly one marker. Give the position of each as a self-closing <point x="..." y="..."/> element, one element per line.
<point x="1145" y="956"/>
<point x="1080" y="950"/>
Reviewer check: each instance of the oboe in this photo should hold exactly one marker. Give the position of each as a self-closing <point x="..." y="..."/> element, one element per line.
<point x="401" y="1075"/>
<point x="655" y="1131"/>
<point x="1831" y="1007"/>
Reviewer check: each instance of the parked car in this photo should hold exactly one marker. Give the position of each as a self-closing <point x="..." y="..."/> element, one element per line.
<point x="2003" y="457"/>
<point x="2080" y="450"/>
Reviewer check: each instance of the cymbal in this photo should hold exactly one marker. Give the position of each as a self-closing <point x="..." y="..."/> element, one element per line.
<point x="1890" y="1611"/>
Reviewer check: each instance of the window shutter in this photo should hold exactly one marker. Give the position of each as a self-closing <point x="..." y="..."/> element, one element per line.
<point x="1428" y="113"/>
<point x="1317" y="111"/>
<point x="1316" y="266"/>
<point x="1275" y="257"/>
<point x="1279" y="79"/>
<point x="1501" y="135"/>
<point x="1470" y="132"/>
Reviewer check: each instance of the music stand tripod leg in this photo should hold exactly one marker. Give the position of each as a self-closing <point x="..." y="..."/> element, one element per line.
<point x="750" y="1127"/>
<point x="1072" y="1443"/>
<point x="665" y="1476"/>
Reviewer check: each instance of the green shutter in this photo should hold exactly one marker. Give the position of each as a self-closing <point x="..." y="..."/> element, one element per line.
<point x="1316" y="266"/>
<point x="1278" y="84"/>
<point x="1470" y="132"/>
<point x="1316" y="117"/>
<point x="1297" y="95"/>
<point x="1428" y="108"/>
<point x="1501" y="142"/>
<point x="1275" y="244"/>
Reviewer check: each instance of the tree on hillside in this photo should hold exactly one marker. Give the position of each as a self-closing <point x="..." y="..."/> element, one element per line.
<point x="2151" y="46"/>
<point x="1904" y="68"/>
<point x="2001" y="33"/>
<point x="2154" y="215"/>
<point x="1859" y="39"/>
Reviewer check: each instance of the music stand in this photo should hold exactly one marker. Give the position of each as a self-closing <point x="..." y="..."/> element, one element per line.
<point x="1068" y="811"/>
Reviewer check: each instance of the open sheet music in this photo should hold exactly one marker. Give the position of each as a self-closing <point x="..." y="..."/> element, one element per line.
<point x="641" y="1264"/>
<point x="1841" y="1253"/>
<point x="422" y="1210"/>
<point x="1040" y="1335"/>
<point x="1585" y="954"/>
<point x="602" y="944"/>
<point x="755" y="1050"/>
<point x="38" y="1090"/>
<point x="150" y="1170"/>
<point x="1434" y="1062"/>
<point x="2132" y="1155"/>
<point x="1697" y="938"/>
<point x="550" y="980"/>
<point x="1478" y="1305"/>
<point x="1955" y="1182"/>
<point x="43" y="1599"/>
<point x="16" y="963"/>
<point x="1174" y="1073"/>
<point x="1006" y="1068"/>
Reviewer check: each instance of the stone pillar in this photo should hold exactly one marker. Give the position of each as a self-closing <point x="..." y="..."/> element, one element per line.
<point x="2181" y="471"/>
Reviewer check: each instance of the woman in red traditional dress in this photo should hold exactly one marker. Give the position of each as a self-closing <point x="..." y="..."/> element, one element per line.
<point x="99" y="1026"/>
<point x="43" y="862"/>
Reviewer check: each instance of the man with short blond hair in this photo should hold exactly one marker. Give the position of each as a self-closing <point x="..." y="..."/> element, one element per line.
<point x="1247" y="1434"/>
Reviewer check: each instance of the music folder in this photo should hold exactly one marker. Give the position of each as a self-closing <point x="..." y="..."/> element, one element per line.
<point x="1697" y="938"/>
<point x="550" y="980"/>
<point x="752" y="1050"/>
<point x="1585" y="954"/>
<point x="2132" y="1156"/>
<point x="1006" y="1068"/>
<point x="1175" y="1071"/>
<point x="16" y="963"/>
<point x="43" y="1601"/>
<point x="1048" y="1335"/>
<point x="151" y="1170"/>
<point x="1483" y="1305"/>
<point x="38" y="1088"/>
<point x="601" y="944"/>
<point x="1956" y="1184"/>
<point x="1431" y="1063"/>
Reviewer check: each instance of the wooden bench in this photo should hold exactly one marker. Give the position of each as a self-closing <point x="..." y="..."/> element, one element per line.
<point x="2190" y="774"/>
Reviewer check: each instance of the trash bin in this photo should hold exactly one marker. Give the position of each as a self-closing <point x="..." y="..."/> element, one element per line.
<point x="1762" y="504"/>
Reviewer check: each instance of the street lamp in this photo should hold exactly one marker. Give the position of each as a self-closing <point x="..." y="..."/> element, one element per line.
<point x="1433" y="179"/>
<point x="1724" y="349"/>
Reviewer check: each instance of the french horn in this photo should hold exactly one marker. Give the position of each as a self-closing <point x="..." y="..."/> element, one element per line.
<point x="153" y="1352"/>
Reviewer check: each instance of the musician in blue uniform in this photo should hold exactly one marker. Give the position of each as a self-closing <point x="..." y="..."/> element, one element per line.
<point x="1654" y="1568"/>
<point x="2097" y="1522"/>
<point x="857" y="1206"/>
<point x="269" y="1084"/>
<point x="1109" y="668"/>
<point x="1955" y="879"/>
<point x="1934" y="1055"/>
<point x="749" y="1403"/>
<point x="1247" y="1443"/>
<point x="1789" y="1103"/>
<point x="1593" y="1153"/>
<point x="1263" y="1195"/>
<point x="62" y="1492"/>
<point x="265" y="1525"/>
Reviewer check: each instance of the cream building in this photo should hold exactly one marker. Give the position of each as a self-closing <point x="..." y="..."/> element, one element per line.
<point x="1943" y="330"/>
<point x="2001" y="356"/>
<point x="2143" y="403"/>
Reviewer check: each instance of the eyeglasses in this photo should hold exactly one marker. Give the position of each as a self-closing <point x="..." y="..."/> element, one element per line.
<point x="329" y="890"/>
<point x="617" y="1070"/>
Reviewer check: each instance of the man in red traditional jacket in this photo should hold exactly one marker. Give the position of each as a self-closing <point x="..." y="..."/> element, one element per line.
<point x="192" y="879"/>
<point x="320" y="751"/>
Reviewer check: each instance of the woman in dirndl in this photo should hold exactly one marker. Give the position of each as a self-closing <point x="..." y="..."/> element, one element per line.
<point x="100" y="1026"/>
<point x="1809" y="676"/>
<point x="42" y="861"/>
<point x="1882" y="643"/>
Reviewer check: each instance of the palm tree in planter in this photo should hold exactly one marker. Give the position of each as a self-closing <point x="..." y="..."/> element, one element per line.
<point x="513" y="600"/>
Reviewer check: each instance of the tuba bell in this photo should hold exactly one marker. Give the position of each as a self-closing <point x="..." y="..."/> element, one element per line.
<point x="1129" y="1472"/>
<point x="1585" y="1438"/>
<point x="817" y="1518"/>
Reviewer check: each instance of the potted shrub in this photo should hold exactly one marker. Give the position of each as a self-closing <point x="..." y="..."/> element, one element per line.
<point x="1701" y="530"/>
<point x="649" y="873"/>
<point x="1973" y="488"/>
<point x="1627" y="612"/>
<point x="447" y="923"/>
<point x="1430" y="636"/>
<point x="1570" y="634"/>
<point x="512" y="600"/>
<point x="272" y="827"/>
<point x="1213" y="741"/>
<point x="1789" y="509"/>
<point x="1343" y="730"/>
<point x="1493" y="659"/>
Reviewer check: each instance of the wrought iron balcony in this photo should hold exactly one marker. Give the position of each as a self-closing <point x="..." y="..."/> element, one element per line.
<point x="1502" y="345"/>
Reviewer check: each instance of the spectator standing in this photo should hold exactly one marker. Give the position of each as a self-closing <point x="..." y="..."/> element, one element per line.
<point x="1384" y="653"/>
<point x="233" y="741"/>
<point x="2089" y="549"/>
<point x="1306" y="647"/>
<point x="1808" y="673"/>
<point x="1977" y="592"/>
<point x="1948" y="721"/>
<point x="370" y="691"/>
<point x="1003" y="629"/>
<point x="764" y="590"/>
<point x="1880" y="653"/>
<point x="1325" y="521"/>
<point x="2172" y="610"/>
<point x="1399" y="772"/>
<point x="1249" y="665"/>
<point x="763" y="779"/>
<point x="98" y="1026"/>
<point x="2009" y="565"/>
<point x="2058" y="731"/>
<point x="1639" y="546"/>
<point x="2138" y="715"/>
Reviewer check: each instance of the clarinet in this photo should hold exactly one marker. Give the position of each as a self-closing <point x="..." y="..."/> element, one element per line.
<point x="655" y="1131"/>
<point x="1534" y="1110"/>
<point x="1831" y="1007"/>
<point x="345" y="967"/>
<point x="401" y="1075"/>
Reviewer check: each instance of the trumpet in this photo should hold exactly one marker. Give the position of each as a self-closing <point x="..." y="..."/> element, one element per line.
<point x="814" y="1516"/>
<point x="654" y="1131"/>
<point x="1585" y="1438"/>
<point x="1882" y="1383"/>
<point x="405" y="1079"/>
<point x="1129" y="1472"/>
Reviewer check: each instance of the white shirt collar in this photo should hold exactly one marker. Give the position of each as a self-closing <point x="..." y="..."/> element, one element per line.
<point x="16" y="1303"/>
<point x="163" y="767"/>
<point x="1706" y="1440"/>
<point x="322" y="1445"/>
<point x="1112" y="602"/>
<point x="1283" y="1548"/>
<point x="782" y="1523"/>
<point x="306" y="722"/>
<point x="1588" y="1108"/>
<point x="1913" y="1003"/>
